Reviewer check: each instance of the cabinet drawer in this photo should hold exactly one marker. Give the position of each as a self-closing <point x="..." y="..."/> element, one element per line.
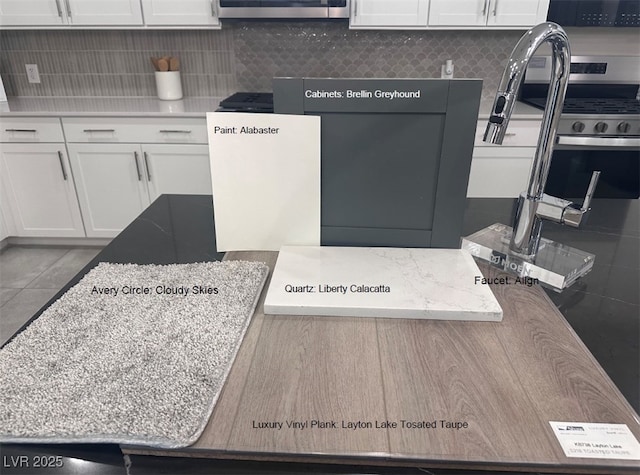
<point x="30" y="129"/>
<point x="135" y="130"/>
<point x="520" y="133"/>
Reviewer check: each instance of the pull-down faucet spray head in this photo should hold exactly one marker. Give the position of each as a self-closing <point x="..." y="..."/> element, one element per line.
<point x="514" y="74"/>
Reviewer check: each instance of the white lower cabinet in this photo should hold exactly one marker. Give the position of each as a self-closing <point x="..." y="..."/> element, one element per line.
<point x="177" y="169"/>
<point x="111" y="190"/>
<point x="499" y="172"/>
<point x="502" y="171"/>
<point x="38" y="184"/>
<point x="116" y="182"/>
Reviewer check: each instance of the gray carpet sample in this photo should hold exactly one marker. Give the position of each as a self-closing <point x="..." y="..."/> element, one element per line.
<point x="143" y="369"/>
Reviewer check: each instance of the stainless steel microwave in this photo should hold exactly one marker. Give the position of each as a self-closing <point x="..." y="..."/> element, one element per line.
<point x="618" y="13"/>
<point x="300" y="9"/>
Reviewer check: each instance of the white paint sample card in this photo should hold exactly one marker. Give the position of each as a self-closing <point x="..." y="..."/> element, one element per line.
<point x="596" y="440"/>
<point x="265" y="172"/>
<point x="442" y="284"/>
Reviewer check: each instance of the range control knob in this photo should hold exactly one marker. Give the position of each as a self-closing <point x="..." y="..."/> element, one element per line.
<point x="578" y="126"/>
<point x="601" y="127"/>
<point x="624" y="127"/>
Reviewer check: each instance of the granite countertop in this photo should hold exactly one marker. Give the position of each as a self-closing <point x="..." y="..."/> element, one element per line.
<point x="153" y="107"/>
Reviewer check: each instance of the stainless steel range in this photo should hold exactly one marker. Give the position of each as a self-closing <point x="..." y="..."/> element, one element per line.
<point x="599" y="128"/>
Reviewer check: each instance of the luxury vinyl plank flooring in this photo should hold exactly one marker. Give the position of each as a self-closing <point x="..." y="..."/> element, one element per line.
<point x="505" y="380"/>
<point x="437" y="371"/>
<point x="218" y="431"/>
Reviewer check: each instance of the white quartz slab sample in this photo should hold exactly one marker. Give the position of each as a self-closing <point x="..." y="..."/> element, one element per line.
<point x="265" y="173"/>
<point x="437" y="284"/>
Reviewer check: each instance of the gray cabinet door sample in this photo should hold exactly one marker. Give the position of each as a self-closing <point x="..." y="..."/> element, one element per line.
<point x="396" y="155"/>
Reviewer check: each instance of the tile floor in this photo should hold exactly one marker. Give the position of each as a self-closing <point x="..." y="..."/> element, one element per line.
<point x="30" y="276"/>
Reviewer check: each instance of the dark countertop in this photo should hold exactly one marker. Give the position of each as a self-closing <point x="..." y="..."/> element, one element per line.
<point x="603" y="308"/>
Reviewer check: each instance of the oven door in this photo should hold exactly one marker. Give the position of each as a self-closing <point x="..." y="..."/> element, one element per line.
<point x="576" y="158"/>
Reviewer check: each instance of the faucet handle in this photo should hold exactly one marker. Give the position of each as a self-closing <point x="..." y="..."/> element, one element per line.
<point x="592" y="187"/>
<point x="574" y="216"/>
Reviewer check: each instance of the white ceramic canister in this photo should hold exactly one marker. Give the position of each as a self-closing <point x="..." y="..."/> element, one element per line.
<point x="168" y="85"/>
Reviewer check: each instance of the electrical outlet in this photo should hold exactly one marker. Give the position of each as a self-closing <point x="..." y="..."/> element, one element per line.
<point x="32" y="73"/>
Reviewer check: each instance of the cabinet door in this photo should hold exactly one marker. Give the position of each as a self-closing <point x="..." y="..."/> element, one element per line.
<point x="111" y="186"/>
<point x="40" y="190"/>
<point x="384" y="13"/>
<point x="180" y="169"/>
<point x="458" y="12"/>
<point x="104" y="12"/>
<point x="517" y="12"/>
<point x="185" y="12"/>
<point x="499" y="172"/>
<point x="32" y="12"/>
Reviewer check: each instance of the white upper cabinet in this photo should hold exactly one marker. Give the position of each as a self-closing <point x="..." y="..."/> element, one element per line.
<point x="69" y="13"/>
<point x="104" y="12"/>
<point x="184" y="12"/>
<point x="487" y="13"/>
<point x="32" y="12"/>
<point x="458" y="12"/>
<point x="386" y="14"/>
<point x="517" y="12"/>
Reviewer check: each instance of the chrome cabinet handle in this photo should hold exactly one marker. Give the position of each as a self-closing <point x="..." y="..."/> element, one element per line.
<point x="135" y="159"/>
<point x="214" y="8"/>
<point x="495" y="7"/>
<point x="68" y="8"/>
<point x="165" y="131"/>
<point x="355" y="8"/>
<point x="146" y="165"/>
<point x="61" y="160"/>
<point x="59" y="8"/>
<point x="484" y="8"/>
<point x="88" y="131"/>
<point x="31" y="131"/>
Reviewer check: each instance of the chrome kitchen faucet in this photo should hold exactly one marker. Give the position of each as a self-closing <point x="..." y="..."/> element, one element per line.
<point x="562" y="265"/>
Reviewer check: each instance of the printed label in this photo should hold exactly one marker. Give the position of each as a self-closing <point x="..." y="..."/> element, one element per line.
<point x="595" y="440"/>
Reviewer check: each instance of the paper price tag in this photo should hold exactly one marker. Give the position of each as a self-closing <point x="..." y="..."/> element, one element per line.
<point x="596" y="440"/>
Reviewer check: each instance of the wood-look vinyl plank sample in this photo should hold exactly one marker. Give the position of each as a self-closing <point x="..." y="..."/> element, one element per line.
<point x="507" y="380"/>
<point x="554" y="367"/>
<point x="312" y="368"/>
<point x="218" y="430"/>
<point x="456" y="372"/>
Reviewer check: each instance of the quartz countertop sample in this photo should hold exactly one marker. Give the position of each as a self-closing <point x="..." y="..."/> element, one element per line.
<point x="108" y="106"/>
<point x="438" y="284"/>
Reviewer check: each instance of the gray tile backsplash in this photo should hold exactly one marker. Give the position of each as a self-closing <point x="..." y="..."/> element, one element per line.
<point x="241" y="56"/>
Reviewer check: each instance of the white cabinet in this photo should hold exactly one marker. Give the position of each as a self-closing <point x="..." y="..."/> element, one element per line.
<point x="386" y="14"/>
<point x="101" y="12"/>
<point x="178" y="169"/>
<point x="111" y="187"/>
<point x="185" y="12"/>
<point x="39" y="186"/>
<point x="487" y="13"/>
<point x="517" y="12"/>
<point x="70" y="12"/>
<point x="121" y="166"/>
<point x="116" y="182"/>
<point x="502" y="171"/>
<point x="32" y="12"/>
